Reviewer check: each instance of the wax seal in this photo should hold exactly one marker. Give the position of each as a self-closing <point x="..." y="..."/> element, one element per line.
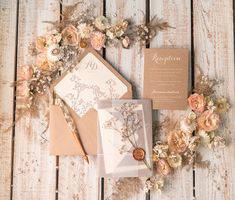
<point x="138" y="154"/>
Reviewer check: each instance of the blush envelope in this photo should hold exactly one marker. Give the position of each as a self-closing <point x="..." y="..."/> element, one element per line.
<point x="91" y="80"/>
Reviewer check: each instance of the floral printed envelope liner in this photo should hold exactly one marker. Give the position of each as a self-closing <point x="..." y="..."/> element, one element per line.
<point x="124" y="138"/>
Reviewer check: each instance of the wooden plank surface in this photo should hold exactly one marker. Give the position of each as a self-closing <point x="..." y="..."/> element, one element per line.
<point x="8" y="14"/>
<point x="178" y="15"/>
<point x="34" y="171"/>
<point x="129" y="62"/>
<point x="34" y="174"/>
<point x="78" y="180"/>
<point x="214" y="53"/>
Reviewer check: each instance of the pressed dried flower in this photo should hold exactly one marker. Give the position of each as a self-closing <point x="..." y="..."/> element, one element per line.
<point x="126" y="42"/>
<point x="154" y="184"/>
<point x="178" y="141"/>
<point x="174" y="160"/>
<point x="194" y="143"/>
<point x="188" y="125"/>
<point x="217" y="142"/>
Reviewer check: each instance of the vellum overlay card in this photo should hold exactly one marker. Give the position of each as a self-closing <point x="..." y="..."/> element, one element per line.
<point x="166" y="78"/>
<point x="124" y="138"/>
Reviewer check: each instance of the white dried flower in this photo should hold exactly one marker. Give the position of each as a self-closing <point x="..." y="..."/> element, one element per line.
<point x="194" y="143"/>
<point x="54" y="53"/>
<point x="174" y="160"/>
<point x="85" y="30"/>
<point x="188" y="125"/>
<point x="101" y="22"/>
<point x="154" y="184"/>
<point x="160" y="149"/>
<point x="217" y="142"/>
<point x="53" y="37"/>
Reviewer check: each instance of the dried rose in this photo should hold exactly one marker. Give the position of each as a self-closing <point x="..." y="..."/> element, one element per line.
<point x="23" y="89"/>
<point x="97" y="40"/>
<point x="163" y="167"/>
<point x="197" y="102"/>
<point x="44" y="64"/>
<point x="70" y="36"/>
<point x="222" y="105"/>
<point x="41" y="44"/>
<point x="178" y="141"/>
<point x="101" y="22"/>
<point x="208" y="121"/>
<point x="26" y="72"/>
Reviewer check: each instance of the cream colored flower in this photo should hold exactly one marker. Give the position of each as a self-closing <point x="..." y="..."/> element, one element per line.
<point x="208" y="121"/>
<point x="222" y="105"/>
<point x="160" y="149"/>
<point x="101" y="22"/>
<point x="205" y="137"/>
<point x="97" y="40"/>
<point x="194" y="143"/>
<point x="125" y="42"/>
<point x="85" y="30"/>
<point x="70" y="36"/>
<point x="197" y="102"/>
<point x="187" y="125"/>
<point x="54" y="53"/>
<point x="174" y="160"/>
<point x="163" y="167"/>
<point x="53" y="37"/>
<point x="41" y="44"/>
<point x="178" y="141"/>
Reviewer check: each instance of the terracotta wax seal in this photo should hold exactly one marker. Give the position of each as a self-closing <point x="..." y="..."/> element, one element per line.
<point x="138" y="154"/>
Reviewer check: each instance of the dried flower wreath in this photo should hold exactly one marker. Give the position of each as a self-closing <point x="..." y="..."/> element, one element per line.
<point x="59" y="49"/>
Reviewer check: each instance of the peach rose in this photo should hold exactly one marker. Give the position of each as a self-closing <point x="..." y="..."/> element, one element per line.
<point x="70" y="36"/>
<point x="40" y="43"/>
<point x="197" y="102"/>
<point x="97" y="40"/>
<point x="208" y="121"/>
<point x="25" y="72"/>
<point x="44" y="64"/>
<point x="23" y="89"/>
<point x="163" y="167"/>
<point x="178" y="141"/>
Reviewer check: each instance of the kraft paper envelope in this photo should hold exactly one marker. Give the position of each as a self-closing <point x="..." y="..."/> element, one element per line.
<point x="91" y="80"/>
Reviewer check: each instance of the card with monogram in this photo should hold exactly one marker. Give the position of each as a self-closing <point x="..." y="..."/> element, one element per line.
<point x="124" y="138"/>
<point x="80" y="89"/>
<point x="166" y="78"/>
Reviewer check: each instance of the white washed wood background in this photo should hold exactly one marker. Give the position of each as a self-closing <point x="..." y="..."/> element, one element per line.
<point x="27" y="172"/>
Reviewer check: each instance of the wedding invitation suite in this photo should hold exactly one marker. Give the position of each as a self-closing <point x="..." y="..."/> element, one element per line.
<point x="124" y="138"/>
<point x="80" y="89"/>
<point x="166" y="78"/>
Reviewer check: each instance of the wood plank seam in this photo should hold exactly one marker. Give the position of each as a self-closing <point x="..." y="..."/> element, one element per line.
<point x="14" y="99"/>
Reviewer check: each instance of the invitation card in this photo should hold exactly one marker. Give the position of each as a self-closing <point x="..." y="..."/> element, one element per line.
<point x="124" y="138"/>
<point x="166" y="78"/>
